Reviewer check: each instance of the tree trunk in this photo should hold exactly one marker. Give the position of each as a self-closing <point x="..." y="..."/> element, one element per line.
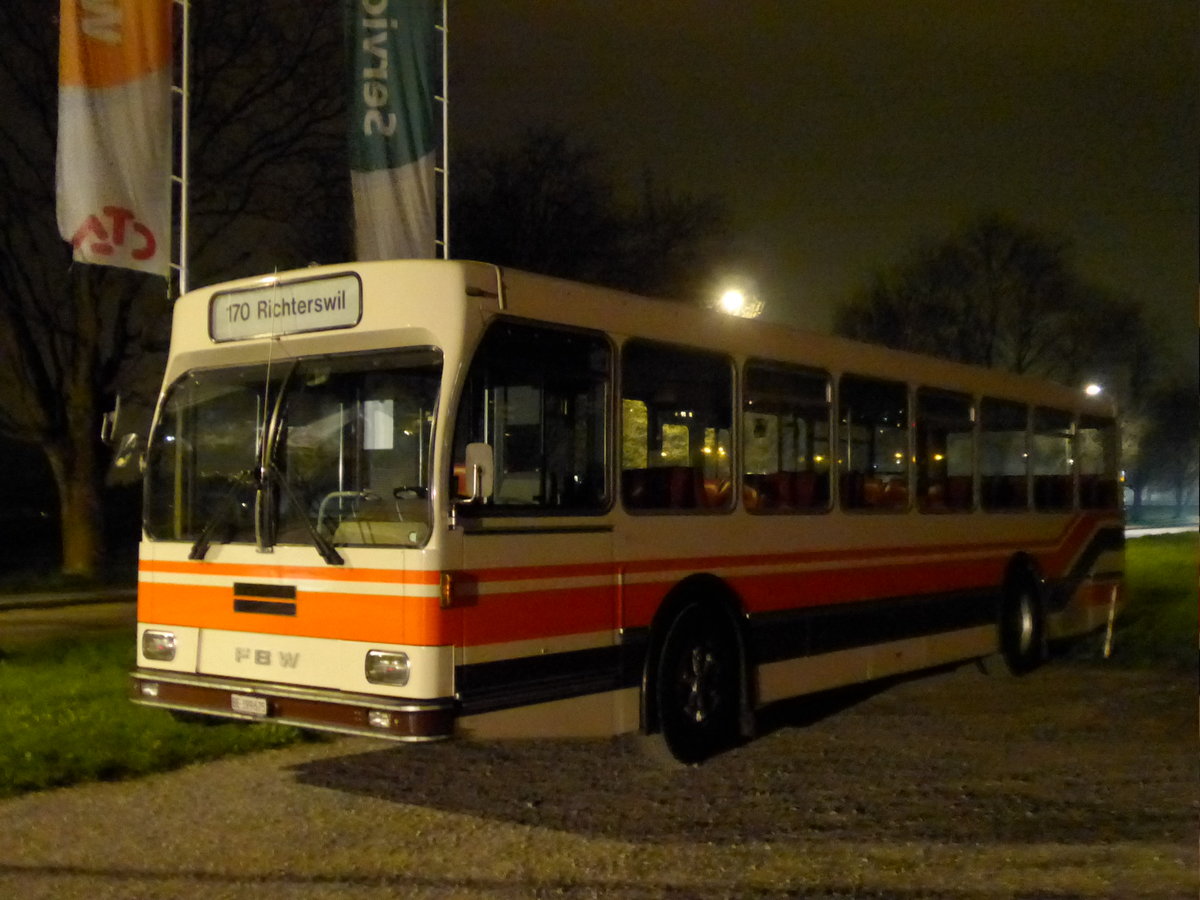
<point x="1135" y="511"/>
<point x="80" y="506"/>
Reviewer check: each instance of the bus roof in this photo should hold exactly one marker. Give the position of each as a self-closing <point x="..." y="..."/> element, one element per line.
<point x="447" y="292"/>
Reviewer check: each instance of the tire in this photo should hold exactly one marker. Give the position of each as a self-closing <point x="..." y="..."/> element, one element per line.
<point x="697" y="685"/>
<point x="1022" y="628"/>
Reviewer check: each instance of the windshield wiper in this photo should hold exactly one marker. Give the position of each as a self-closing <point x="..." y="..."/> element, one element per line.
<point x="323" y="544"/>
<point x="200" y="547"/>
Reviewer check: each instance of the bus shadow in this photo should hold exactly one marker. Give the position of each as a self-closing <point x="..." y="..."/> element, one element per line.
<point x="812" y="709"/>
<point x="791" y="781"/>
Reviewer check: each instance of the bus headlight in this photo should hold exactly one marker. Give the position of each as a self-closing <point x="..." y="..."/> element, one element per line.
<point x="387" y="667"/>
<point x="159" y="645"/>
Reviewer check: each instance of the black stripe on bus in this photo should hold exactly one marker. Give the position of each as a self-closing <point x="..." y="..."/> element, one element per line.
<point x="267" y="599"/>
<point x="794" y="633"/>
<point x="539" y="679"/>
<point x="774" y="637"/>
<point x="272" y="591"/>
<point x="267" y="607"/>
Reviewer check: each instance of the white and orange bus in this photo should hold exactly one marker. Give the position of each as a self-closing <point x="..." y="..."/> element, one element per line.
<point x="420" y="499"/>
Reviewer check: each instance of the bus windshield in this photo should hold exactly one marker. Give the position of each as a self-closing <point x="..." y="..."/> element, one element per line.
<point x="330" y="450"/>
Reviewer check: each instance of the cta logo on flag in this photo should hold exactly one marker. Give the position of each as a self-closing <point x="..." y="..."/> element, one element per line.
<point x="114" y="132"/>
<point x="393" y="135"/>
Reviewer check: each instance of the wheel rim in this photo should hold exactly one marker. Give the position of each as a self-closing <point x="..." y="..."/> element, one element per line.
<point x="697" y="686"/>
<point x="700" y="684"/>
<point x="1025" y="624"/>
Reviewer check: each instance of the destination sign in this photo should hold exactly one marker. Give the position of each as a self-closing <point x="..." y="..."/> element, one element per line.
<point x="286" y="307"/>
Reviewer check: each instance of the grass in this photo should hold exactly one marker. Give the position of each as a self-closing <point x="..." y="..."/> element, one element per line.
<point x="1159" y="624"/>
<point x="65" y="718"/>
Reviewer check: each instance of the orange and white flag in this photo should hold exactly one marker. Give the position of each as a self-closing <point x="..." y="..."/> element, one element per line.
<point x="114" y="132"/>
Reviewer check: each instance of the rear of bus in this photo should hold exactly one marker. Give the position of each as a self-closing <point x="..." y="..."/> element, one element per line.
<point x="290" y="563"/>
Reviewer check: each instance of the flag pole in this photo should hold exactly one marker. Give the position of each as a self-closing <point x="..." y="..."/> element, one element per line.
<point x="444" y="99"/>
<point x="182" y="91"/>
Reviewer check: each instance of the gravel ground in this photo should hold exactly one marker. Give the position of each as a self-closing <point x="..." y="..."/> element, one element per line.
<point x="1076" y="781"/>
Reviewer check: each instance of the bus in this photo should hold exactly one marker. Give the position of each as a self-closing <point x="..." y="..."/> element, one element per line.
<point x="422" y="499"/>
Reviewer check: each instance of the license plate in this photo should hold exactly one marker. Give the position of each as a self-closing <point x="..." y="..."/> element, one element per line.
<point x="247" y="705"/>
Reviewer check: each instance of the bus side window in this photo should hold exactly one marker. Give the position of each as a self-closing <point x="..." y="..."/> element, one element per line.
<point x="1003" y="454"/>
<point x="785" y="439"/>
<point x="1050" y="458"/>
<point x="945" y="451"/>
<point x="676" y="439"/>
<point x="1098" y="454"/>
<point x="873" y="444"/>
<point x="539" y="397"/>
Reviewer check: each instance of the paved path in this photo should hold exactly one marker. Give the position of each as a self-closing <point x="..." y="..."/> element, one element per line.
<point x="50" y="599"/>
<point x="23" y="624"/>
<point x="1078" y="781"/>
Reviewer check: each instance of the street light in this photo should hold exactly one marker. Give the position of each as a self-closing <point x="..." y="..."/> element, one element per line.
<point x="736" y="301"/>
<point x="1093" y="389"/>
<point x="733" y="301"/>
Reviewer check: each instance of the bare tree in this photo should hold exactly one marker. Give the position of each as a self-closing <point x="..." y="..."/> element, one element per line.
<point x="549" y="204"/>
<point x="1167" y="452"/>
<point x="269" y="179"/>
<point x="1003" y="295"/>
<point x="267" y="174"/>
<point x="65" y="331"/>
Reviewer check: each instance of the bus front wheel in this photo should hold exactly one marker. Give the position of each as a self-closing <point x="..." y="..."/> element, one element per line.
<point x="697" y="685"/>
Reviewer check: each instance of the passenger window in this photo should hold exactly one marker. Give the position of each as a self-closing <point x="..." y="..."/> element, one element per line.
<point x="539" y="397"/>
<point x="1098" y="453"/>
<point x="785" y="443"/>
<point x="1003" y="455"/>
<point x="873" y="444"/>
<point x="1051" y="459"/>
<point x="945" y="451"/>
<point x="676" y="415"/>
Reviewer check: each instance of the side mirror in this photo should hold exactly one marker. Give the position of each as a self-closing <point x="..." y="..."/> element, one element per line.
<point x="109" y="422"/>
<point x="480" y="470"/>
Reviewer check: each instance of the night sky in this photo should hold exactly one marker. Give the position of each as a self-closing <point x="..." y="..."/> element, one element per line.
<point x="841" y="133"/>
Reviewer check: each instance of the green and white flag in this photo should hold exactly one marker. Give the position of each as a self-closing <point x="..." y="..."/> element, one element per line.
<point x="393" y="130"/>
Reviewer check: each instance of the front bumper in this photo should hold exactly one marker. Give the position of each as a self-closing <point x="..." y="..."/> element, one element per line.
<point x="322" y="710"/>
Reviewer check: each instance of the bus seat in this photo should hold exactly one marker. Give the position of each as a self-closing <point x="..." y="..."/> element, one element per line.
<point x="850" y="488"/>
<point x="804" y="489"/>
<point x="779" y="488"/>
<point x="959" y="492"/>
<point x="872" y="493"/>
<point x="932" y="496"/>
<point x="716" y="493"/>
<point x="682" y="487"/>
<point x="751" y="492"/>
<point x="895" y="493"/>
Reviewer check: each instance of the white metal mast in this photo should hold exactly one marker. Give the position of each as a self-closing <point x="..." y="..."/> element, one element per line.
<point x="181" y="178"/>
<point x="444" y="99"/>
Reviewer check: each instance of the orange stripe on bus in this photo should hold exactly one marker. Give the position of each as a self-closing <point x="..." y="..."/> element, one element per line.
<point x="501" y="618"/>
<point x="499" y="615"/>
<point x="351" y="617"/>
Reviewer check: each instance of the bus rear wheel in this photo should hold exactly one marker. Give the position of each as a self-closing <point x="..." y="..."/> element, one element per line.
<point x="697" y="685"/>
<point x="1022" y="628"/>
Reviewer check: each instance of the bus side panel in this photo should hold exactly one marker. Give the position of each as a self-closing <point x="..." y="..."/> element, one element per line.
<point x="540" y="651"/>
<point x="1085" y="589"/>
